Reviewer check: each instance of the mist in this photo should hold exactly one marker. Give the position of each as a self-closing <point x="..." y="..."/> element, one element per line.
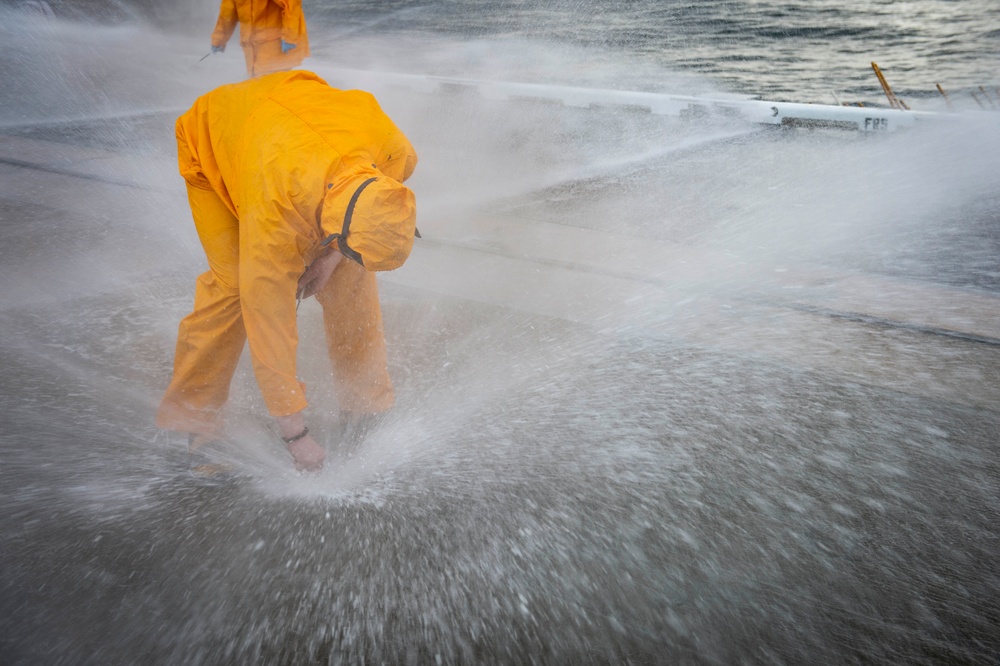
<point x="665" y="386"/>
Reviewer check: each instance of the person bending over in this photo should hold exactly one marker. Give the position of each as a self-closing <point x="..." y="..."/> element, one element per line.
<point x="296" y="190"/>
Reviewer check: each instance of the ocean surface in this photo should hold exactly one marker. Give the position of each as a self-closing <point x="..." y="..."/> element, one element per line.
<point x="809" y="51"/>
<point x="795" y="50"/>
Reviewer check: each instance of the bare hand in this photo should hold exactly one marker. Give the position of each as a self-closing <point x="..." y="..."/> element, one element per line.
<point x="317" y="273"/>
<point x="307" y="454"/>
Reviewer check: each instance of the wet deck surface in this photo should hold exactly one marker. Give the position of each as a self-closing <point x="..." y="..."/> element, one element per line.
<point x="606" y="447"/>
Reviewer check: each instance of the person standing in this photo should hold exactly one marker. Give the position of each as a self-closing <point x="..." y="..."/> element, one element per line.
<point x="296" y="190"/>
<point x="272" y="33"/>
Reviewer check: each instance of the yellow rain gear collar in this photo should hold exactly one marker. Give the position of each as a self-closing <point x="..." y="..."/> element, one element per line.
<point x="372" y="217"/>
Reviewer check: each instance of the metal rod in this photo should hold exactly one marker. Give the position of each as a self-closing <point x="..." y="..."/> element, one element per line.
<point x="945" y="95"/>
<point x="894" y="101"/>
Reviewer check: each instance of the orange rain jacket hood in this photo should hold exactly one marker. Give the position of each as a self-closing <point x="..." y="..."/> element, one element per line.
<point x="373" y="219"/>
<point x="298" y="163"/>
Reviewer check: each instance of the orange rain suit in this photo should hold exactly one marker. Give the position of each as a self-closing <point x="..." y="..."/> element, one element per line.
<point x="277" y="169"/>
<point x="263" y="26"/>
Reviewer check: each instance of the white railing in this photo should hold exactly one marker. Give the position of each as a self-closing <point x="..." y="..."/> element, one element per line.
<point x="864" y="119"/>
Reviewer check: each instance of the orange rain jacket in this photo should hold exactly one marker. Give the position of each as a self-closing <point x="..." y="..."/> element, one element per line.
<point x="299" y="165"/>
<point x="263" y="24"/>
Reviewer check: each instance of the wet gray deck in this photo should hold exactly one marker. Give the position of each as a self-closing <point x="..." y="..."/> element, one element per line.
<point x="606" y="447"/>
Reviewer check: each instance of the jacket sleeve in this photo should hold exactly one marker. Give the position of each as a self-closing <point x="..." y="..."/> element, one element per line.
<point x="277" y="228"/>
<point x="224" y="27"/>
<point x="270" y="268"/>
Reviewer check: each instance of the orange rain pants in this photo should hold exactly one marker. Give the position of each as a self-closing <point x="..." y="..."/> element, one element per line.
<point x="257" y="176"/>
<point x="263" y="25"/>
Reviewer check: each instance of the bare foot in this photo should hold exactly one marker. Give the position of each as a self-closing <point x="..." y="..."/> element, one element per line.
<point x="307" y="454"/>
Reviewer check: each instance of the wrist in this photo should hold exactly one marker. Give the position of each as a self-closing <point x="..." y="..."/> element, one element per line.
<point x="332" y="255"/>
<point x="296" y="437"/>
<point x="291" y="425"/>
